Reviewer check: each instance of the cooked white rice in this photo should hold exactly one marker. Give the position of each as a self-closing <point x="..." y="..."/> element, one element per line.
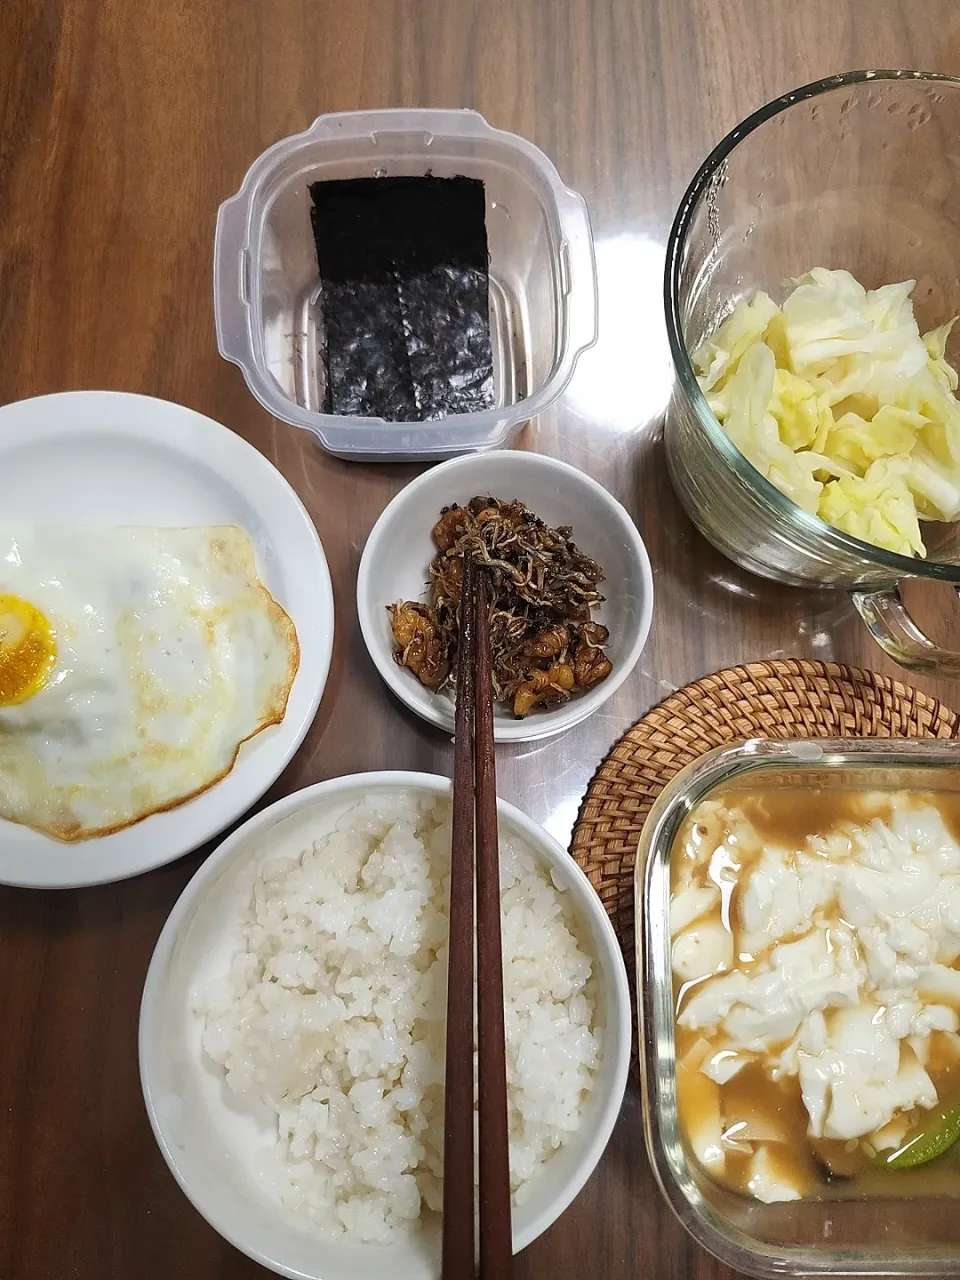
<point x="334" y="1016"/>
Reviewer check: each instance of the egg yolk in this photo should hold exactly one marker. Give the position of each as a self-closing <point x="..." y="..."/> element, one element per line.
<point x="28" y="650"/>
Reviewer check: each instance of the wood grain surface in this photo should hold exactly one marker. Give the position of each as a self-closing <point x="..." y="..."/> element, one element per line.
<point x="122" y="127"/>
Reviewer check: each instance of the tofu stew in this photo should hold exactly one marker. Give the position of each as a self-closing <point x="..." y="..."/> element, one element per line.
<point x="816" y="968"/>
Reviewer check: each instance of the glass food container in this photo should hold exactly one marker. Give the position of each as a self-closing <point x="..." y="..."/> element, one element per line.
<point x="867" y="1237"/>
<point x="860" y="171"/>
<point x="543" y="291"/>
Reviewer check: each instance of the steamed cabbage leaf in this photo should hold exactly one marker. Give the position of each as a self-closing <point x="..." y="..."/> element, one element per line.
<point x="717" y="358"/>
<point x="876" y="507"/>
<point x="837" y="399"/>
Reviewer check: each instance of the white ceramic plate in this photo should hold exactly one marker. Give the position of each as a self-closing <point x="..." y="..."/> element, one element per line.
<point x="105" y="457"/>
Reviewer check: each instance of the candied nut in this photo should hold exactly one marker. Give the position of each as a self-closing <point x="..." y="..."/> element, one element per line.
<point x="547" y="643"/>
<point x="553" y="685"/>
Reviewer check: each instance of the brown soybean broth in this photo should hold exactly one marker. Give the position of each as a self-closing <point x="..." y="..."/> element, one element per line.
<point x="786" y="816"/>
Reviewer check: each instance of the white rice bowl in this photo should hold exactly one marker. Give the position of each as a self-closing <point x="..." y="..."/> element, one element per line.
<point x="293" y="1022"/>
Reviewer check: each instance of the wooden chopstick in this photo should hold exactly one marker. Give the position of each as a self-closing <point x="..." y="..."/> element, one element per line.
<point x="458" y="1221"/>
<point x="496" y="1236"/>
<point x="475" y="819"/>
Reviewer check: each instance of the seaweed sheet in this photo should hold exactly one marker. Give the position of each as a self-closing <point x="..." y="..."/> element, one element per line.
<point x="405" y="296"/>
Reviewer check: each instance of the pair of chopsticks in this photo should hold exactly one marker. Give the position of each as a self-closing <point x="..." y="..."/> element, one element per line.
<point x="475" y="828"/>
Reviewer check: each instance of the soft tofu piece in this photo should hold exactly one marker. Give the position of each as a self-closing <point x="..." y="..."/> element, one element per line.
<point x="811" y="1038"/>
<point x="887" y="970"/>
<point x="858" y="1106"/>
<point x="816" y="1072"/>
<point x="724" y="1065"/>
<point x="864" y="1038"/>
<point x="902" y="894"/>
<point x="768" y="1005"/>
<point x="711" y="1002"/>
<point x="705" y="949"/>
<point x="808" y="958"/>
<point x="690" y="904"/>
<point x="925" y="830"/>
<point x="941" y="985"/>
<point x="934" y="1017"/>
<point x="892" y="1135"/>
<point x="888" y="892"/>
<point x="698" y="1099"/>
<point x="767" y="1182"/>
<point x="770" y="902"/>
<point x="910" y="941"/>
<point x="940" y="917"/>
<point x="921" y="1048"/>
<point x="813" y="1034"/>
<point x="802" y="976"/>
<point x="696" y="1054"/>
<point x="901" y="1016"/>
<point x="858" y="1052"/>
<point x="779" y="898"/>
<point x="861" y="1079"/>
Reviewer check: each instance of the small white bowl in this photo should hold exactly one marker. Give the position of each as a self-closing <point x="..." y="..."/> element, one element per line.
<point x="396" y="560"/>
<point x="205" y="1137"/>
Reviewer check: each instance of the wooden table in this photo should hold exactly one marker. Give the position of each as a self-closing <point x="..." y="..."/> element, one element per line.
<point x="122" y="127"/>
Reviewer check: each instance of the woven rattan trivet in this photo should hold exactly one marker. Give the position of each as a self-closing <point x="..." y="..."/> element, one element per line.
<point x="783" y="699"/>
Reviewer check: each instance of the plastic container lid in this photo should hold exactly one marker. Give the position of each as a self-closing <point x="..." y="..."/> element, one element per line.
<point x="543" y="292"/>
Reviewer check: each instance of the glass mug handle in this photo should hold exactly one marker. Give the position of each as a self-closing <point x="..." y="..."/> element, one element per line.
<point x="891" y="625"/>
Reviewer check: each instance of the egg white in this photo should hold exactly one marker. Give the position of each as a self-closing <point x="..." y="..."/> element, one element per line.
<point x="170" y="653"/>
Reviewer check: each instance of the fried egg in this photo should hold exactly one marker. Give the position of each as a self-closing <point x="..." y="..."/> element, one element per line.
<point x="134" y="663"/>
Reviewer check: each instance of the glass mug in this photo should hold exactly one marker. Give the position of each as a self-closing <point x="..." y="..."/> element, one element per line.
<point x="860" y="171"/>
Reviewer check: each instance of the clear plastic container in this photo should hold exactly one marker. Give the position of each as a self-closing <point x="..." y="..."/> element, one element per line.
<point x="892" y="1236"/>
<point x="543" y="293"/>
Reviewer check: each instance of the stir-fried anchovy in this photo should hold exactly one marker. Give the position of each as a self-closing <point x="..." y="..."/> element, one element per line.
<point x="541" y="589"/>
